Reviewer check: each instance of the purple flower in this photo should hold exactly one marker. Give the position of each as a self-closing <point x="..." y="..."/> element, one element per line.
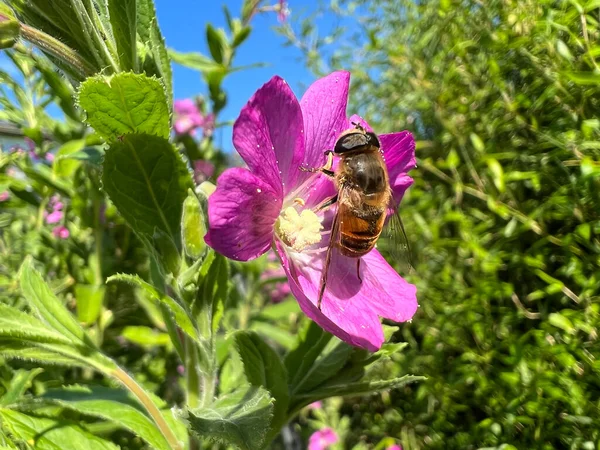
<point x="283" y="11"/>
<point x="188" y="117"/>
<point x="54" y="217"/>
<point x="60" y="232"/>
<point x="203" y="170"/>
<point x="322" y="439"/>
<point x="271" y="203"/>
<point x="4" y="196"/>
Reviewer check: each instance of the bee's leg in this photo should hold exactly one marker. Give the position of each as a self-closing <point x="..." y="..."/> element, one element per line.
<point x="358" y="269"/>
<point x="326" y="169"/>
<point x="327" y="203"/>
<point x="332" y="242"/>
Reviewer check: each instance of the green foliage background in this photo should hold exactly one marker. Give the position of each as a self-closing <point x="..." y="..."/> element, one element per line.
<point x="503" y="98"/>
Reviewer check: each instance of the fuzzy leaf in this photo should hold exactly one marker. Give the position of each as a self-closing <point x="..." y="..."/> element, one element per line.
<point x="147" y="181"/>
<point x="19" y="383"/>
<point x="113" y="405"/>
<point x="263" y="367"/>
<point x="54" y="354"/>
<point x="125" y="103"/>
<point x="48" y="434"/>
<point x="327" y="364"/>
<point x="124" y="23"/>
<point x="47" y="306"/>
<point x="16" y="324"/>
<point x="335" y="389"/>
<point x="180" y="314"/>
<point x="241" y="418"/>
<point x="149" y="32"/>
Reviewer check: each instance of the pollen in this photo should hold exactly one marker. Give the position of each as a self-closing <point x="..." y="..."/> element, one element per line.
<point x="299" y="230"/>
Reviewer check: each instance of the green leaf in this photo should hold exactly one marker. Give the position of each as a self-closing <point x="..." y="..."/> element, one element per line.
<point x="146" y="336"/>
<point x="217" y="43"/>
<point x="263" y="367"/>
<point x="193" y="226"/>
<point x="241" y="36"/>
<point x="149" y="32"/>
<point x="560" y="321"/>
<point x="113" y="405"/>
<point x="47" y="306"/>
<point x="125" y="103"/>
<point x="241" y="418"/>
<point x="65" y="165"/>
<point x="19" y="383"/>
<point x="193" y="60"/>
<point x="89" y="302"/>
<point x="584" y="78"/>
<point x="123" y="19"/>
<point x="311" y="341"/>
<point x="48" y="434"/>
<point x="477" y="142"/>
<point x="19" y="325"/>
<point x="54" y="354"/>
<point x="10" y="28"/>
<point x="333" y="389"/>
<point x="147" y="181"/>
<point x="327" y="364"/>
<point x="274" y="333"/>
<point x="180" y="314"/>
<point x="90" y="155"/>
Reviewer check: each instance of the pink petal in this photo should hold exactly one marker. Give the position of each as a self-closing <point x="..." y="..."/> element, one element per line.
<point x="268" y="135"/>
<point x="399" y="154"/>
<point x="185" y="106"/>
<point x="324" y="112"/>
<point x="350" y="309"/>
<point x="322" y="439"/>
<point x="359" y="120"/>
<point x="54" y="217"/>
<point x="241" y="213"/>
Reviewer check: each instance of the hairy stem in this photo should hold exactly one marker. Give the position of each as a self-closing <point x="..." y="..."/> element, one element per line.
<point x="57" y="49"/>
<point x="150" y="407"/>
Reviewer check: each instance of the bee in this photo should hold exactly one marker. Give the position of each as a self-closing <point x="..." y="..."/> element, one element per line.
<point x="363" y="197"/>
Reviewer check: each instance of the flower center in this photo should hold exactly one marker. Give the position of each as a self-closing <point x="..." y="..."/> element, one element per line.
<point x="298" y="230"/>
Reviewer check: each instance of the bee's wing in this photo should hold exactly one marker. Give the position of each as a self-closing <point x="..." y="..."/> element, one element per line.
<point x="399" y="246"/>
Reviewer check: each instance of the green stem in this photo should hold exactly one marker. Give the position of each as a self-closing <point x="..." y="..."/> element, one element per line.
<point x="191" y="374"/>
<point x="57" y="49"/>
<point x="40" y="216"/>
<point x="150" y="407"/>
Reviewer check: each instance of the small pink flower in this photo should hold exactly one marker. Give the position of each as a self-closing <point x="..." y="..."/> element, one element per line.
<point x="203" y="170"/>
<point x="49" y="157"/>
<point x="271" y="205"/>
<point x="180" y="369"/>
<point x="188" y="117"/>
<point x="322" y="439"/>
<point x="394" y="447"/>
<point x="4" y="196"/>
<point x="315" y="405"/>
<point x="283" y="11"/>
<point x="61" y="232"/>
<point x="208" y="127"/>
<point x="54" y="217"/>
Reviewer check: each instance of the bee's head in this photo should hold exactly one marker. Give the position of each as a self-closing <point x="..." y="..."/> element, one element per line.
<point x="354" y="139"/>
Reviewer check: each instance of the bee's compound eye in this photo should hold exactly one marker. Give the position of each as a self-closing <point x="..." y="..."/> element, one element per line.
<point x="373" y="139"/>
<point x="351" y="141"/>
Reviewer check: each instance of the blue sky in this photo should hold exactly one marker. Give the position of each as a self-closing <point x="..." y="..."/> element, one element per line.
<point x="183" y="23"/>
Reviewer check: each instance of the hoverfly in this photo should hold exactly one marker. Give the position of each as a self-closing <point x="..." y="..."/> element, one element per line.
<point x="364" y="197"/>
